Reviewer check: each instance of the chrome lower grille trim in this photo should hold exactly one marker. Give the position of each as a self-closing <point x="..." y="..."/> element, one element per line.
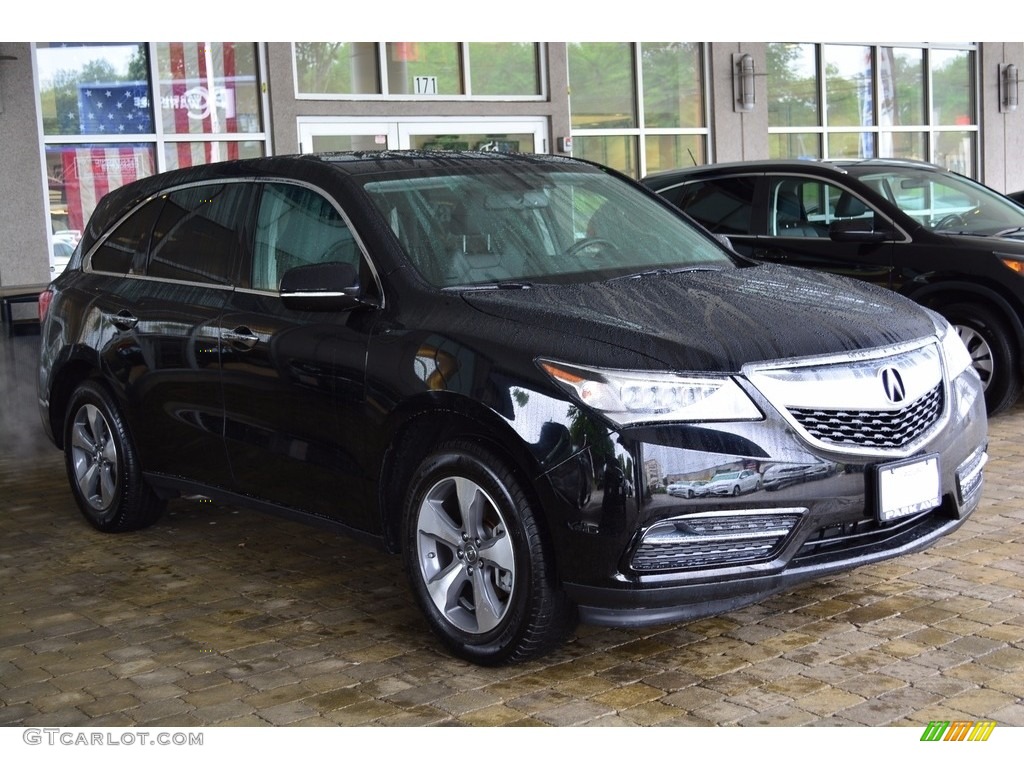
<point x="716" y="540"/>
<point x="970" y="478"/>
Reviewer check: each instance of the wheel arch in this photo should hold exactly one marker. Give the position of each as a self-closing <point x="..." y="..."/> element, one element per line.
<point x="945" y="294"/>
<point x="421" y="426"/>
<point x="62" y="388"/>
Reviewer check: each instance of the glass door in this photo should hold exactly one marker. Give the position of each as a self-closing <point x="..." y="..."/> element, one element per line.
<point x="505" y="135"/>
<point x="332" y="135"/>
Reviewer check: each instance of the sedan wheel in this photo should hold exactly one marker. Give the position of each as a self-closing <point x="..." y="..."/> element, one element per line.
<point x="476" y="559"/>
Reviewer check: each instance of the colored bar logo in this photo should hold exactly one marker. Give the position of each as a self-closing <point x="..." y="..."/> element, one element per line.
<point x="958" y="730"/>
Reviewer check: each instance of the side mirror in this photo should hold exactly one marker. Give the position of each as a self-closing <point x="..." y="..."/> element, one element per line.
<point x="858" y="231"/>
<point x="331" y="287"/>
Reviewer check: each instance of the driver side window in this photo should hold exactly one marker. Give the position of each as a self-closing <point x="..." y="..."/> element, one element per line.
<point x="297" y="226"/>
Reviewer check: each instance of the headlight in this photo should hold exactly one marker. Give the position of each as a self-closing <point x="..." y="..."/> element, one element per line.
<point x="957" y="358"/>
<point x="635" y="397"/>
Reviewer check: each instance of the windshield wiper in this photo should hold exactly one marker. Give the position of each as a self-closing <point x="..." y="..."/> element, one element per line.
<point x="662" y="271"/>
<point x="1007" y="232"/>
<point x="505" y="285"/>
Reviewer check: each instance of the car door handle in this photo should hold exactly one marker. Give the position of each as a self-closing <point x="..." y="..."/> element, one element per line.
<point x="241" y="337"/>
<point x="124" y="320"/>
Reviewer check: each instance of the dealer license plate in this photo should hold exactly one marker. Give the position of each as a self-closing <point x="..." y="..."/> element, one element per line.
<point x="908" y="487"/>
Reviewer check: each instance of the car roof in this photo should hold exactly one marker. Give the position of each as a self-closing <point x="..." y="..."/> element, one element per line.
<point x="324" y="169"/>
<point x="837" y="167"/>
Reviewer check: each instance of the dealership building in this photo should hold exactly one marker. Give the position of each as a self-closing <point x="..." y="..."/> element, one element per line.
<point x="79" y="119"/>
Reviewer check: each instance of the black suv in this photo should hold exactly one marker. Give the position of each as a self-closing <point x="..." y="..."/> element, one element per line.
<point x="937" y="237"/>
<point x="495" y="365"/>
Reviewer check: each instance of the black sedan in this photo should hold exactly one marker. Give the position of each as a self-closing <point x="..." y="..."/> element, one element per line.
<point x="934" y="236"/>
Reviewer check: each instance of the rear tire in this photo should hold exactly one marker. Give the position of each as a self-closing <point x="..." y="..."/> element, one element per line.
<point x="476" y="559"/>
<point x="993" y="353"/>
<point x="102" y="464"/>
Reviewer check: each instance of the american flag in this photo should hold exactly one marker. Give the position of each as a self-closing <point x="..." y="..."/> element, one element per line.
<point x="115" y="109"/>
<point x="91" y="172"/>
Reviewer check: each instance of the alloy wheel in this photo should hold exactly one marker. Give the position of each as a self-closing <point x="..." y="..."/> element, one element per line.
<point x="465" y="555"/>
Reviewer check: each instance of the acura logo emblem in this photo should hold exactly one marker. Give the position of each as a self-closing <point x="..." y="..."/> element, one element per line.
<point x="892" y="383"/>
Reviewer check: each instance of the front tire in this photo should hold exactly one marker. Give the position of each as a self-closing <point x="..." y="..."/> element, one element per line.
<point x="476" y="559"/>
<point x="102" y="464"/>
<point x="993" y="353"/>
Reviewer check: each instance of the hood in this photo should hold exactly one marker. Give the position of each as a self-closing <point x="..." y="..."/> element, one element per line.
<point x="716" y="320"/>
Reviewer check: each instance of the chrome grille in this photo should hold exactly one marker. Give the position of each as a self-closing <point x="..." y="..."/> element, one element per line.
<point x="872" y="428"/>
<point x="713" y="541"/>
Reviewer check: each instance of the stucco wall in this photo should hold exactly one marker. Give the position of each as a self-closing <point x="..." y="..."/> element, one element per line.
<point x="1002" y="149"/>
<point x="24" y="257"/>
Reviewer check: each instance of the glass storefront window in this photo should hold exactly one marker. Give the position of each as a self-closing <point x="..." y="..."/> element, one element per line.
<point x="660" y="127"/>
<point x="424" y="69"/>
<point x="910" y="145"/>
<point x="618" y="152"/>
<point x="602" y="85"/>
<point x="668" y="151"/>
<point x="504" y="69"/>
<point x="94" y="88"/>
<point x="80" y="174"/>
<point x="952" y="89"/>
<point x="792" y="85"/>
<point x="673" y="95"/>
<point x="849" y="146"/>
<point x="849" y="85"/>
<point x="208" y="88"/>
<point x="327" y="68"/>
<point x="901" y="71"/>
<point x="911" y="102"/>
<point x="413" y="69"/>
<point x="956" y="150"/>
<point x="185" y="154"/>
<point x="803" y="146"/>
<point x="100" y="125"/>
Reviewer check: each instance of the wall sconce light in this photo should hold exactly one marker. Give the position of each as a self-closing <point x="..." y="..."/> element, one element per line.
<point x="744" y="97"/>
<point x="1009" y="87"/>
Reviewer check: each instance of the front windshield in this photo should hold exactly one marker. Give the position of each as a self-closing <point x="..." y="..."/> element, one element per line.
<point x="948" y="203"/>
<point x="541" y="224"/>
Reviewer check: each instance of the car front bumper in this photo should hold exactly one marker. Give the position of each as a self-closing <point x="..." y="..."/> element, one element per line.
<point x="631" y="555"/>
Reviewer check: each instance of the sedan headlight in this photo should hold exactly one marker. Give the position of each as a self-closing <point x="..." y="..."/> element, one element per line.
<point x="635" y="397"/>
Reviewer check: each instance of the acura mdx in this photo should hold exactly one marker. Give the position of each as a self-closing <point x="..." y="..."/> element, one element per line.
<point x="491" y="364"/>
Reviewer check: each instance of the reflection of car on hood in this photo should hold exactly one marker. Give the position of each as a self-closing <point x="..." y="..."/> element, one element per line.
<point x="688" y="488"/>
<point x="733" y="483"/>
<point x="780" y="475"/>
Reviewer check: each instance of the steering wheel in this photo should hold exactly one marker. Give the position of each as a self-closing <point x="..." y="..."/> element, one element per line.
<point x="594" y="244"/>
<point x="951" y="221"/>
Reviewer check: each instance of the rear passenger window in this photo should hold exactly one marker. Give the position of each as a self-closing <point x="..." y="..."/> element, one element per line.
<point x="127" y="243"/>
<point x="199" y="233"/>
<point x="725" y="206"/>
<point x="297" y="226"/>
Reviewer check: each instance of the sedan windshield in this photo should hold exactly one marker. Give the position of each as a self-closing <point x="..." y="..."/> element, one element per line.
<point x="946" y="202"/>
<point x="540" y="224"/>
